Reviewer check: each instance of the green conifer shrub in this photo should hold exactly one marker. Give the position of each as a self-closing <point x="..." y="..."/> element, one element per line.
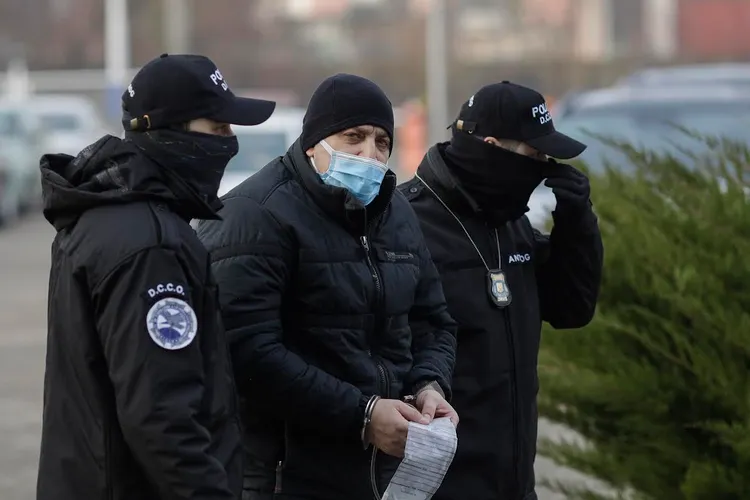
<point x="659" y="383"/>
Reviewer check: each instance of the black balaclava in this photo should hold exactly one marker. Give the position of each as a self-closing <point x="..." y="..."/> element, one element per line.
<point x="499" y="180"/>
<point x="171" y="91"/>
<point x="193" y="161"/>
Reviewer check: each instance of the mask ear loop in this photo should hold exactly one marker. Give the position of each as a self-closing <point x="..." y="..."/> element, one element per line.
<point x="327" y="147"/>
<point x="330" y="152"/>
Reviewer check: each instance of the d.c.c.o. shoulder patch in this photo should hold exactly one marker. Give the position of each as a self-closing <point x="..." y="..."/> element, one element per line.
<point x="171" y="323"/>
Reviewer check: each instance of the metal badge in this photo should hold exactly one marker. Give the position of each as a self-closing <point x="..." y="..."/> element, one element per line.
<point x="498" y="288"/>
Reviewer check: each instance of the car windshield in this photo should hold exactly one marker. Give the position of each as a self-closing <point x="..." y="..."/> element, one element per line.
<point x="654" y="126"/>
<point x="59" y="122"/>
<point x="256" y="150"/>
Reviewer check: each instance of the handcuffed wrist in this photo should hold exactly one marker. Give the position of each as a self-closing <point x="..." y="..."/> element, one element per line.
<point x="369" y="407"/>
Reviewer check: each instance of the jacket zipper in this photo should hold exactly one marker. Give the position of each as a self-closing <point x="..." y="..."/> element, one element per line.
<point x="383" y="386"/>
<point x="513" y="392"/>
<point x="382" y="376"/>
<point x="279" y="474"/>
<point x="513" y="379"/>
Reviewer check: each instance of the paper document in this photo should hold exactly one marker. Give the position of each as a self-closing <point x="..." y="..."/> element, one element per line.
<point x="428" y="454"/>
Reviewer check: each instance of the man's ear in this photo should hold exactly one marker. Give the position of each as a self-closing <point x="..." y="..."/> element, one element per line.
<point x="310" y="152"/>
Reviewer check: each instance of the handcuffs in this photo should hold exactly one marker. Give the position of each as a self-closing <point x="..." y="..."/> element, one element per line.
<point x="411" y="400"/>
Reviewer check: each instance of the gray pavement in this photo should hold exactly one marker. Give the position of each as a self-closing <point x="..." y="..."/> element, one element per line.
<point x="24" y="268"/>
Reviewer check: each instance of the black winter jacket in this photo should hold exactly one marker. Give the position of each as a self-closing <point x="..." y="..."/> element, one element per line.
<point x="326" y="303"/>
<point x="551" y="278"/>
<point x="132" y="408"/>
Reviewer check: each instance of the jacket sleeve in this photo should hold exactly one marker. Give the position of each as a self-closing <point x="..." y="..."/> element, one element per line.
<point x="253" y="261"/>
<point x="433" y="329"/>
<point x="570" y="270"/>
<point x="156" y="370"/>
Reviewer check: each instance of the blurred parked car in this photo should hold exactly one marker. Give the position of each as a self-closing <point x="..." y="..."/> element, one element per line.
<point x="691" y="74"/>
<point x="11" y="179"/>
<point x="21" y="140"/>
<point x="260" y="144"/>
<point x="566" y="104"/>
<point x="648" y="118"/>
<point x="70" y="122"/>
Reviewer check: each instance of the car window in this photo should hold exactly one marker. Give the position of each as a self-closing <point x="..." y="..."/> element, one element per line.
<point x="257" y="149"/>
<point x="60" y="122"/>
<point x="690" y="77"/>
<point x="655" y="126"/>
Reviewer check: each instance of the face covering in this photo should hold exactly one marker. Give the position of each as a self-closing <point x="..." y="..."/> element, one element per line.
<point x="193" y="161"/>
<point x="499" y="180"/>
<point x="360" y="176"/>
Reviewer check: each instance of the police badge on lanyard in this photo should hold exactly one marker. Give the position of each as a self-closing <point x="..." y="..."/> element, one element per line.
<point x="498" y="289"/>
<point x="497" y="284"/>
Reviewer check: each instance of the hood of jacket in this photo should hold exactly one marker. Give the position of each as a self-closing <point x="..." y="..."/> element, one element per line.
<point x="110" y="171"/>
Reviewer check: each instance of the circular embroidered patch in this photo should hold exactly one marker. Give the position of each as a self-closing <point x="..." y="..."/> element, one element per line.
<point x="172" y="323"/>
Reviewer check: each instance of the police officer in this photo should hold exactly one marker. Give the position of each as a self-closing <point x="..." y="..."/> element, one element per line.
<point x="138" y="396"/>
<point x="333" y="307"/>
<point x="501" y="277"/>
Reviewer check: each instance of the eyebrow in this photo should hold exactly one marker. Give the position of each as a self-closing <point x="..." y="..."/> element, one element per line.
<point x="380" y="134"/>
<point x="362" y="129"/>
<point x="369" y="129"/>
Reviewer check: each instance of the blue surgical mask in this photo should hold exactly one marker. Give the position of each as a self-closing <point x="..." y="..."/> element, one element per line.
<point x="359" y="175"/>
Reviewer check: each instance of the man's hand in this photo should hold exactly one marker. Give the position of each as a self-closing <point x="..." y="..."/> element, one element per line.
<point x="389" y="425"/>
<point x="432" y="404"/>
<point x="570" y="186"/>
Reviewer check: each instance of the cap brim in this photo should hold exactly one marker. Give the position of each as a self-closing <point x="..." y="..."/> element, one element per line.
<point x="557" y="145"/>
<point x="245" y="111"/>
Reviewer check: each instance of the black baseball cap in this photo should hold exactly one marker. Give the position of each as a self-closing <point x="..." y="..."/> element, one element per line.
<point x="174" y="89"/>
<point x="506" y="110"/>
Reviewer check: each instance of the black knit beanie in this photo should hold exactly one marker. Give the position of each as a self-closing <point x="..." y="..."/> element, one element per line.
<point x="343" y="101"/>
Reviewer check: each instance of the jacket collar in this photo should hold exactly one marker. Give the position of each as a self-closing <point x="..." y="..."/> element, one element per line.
<point x="435" y="173"/>
<point x="338" y="202"/>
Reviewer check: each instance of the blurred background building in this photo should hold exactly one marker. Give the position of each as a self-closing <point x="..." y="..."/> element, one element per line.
<point x="415" y="49"/>
<point x="290" y="45"/>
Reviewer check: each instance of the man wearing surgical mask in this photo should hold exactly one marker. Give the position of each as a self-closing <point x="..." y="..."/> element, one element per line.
<point x="333" y="308"/>
<point x="502" y="278"/>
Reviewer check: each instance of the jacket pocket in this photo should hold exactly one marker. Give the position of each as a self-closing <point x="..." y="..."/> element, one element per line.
<point x="400" y="275"/>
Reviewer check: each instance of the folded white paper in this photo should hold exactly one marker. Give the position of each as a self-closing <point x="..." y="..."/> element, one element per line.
<point x="428" y="454"/>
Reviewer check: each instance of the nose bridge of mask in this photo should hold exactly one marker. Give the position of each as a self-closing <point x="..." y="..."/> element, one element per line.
<point x="358" y="159"/>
